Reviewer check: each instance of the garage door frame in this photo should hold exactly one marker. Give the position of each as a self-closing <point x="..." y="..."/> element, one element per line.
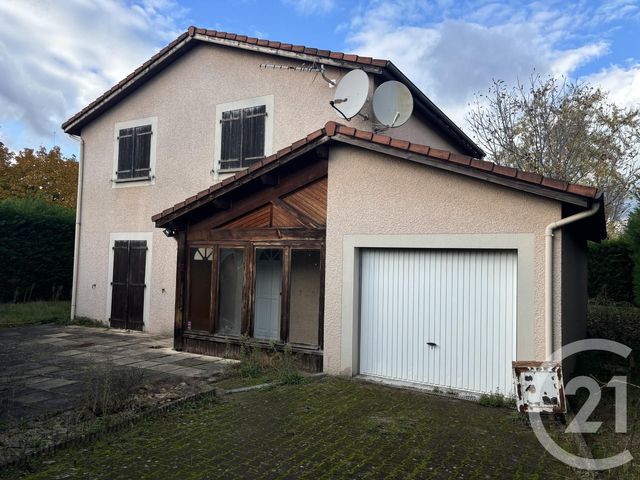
<point x="523" y="243"/>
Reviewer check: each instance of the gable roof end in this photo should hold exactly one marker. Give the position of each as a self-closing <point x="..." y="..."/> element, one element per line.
<point x="580" y="196"/>
<point x="195" y="35"/>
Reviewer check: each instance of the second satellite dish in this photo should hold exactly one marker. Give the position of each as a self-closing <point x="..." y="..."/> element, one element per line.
<point x="392" y="104"/>
<point x="351" y="94"/>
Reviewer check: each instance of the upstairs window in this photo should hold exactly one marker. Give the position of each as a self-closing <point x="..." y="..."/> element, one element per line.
<point x="134" y="153"/>
<point x="242" y="137"/>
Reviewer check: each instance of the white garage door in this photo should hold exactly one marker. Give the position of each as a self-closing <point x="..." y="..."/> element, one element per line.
<point x="439" y="317"/>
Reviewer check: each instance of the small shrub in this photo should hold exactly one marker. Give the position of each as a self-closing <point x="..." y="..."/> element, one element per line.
<point x="496" y="400"/>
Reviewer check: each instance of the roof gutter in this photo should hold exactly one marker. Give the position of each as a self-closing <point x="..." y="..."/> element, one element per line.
<point x="435" y="114"/>
<point x="76" y="243"/>
<point x="548" y="270"/>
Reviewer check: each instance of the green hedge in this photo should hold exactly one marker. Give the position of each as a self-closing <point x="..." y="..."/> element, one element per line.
<point x="611" y="270"/>
<point x="36" y="250"/>
<point x="615" y="322"/>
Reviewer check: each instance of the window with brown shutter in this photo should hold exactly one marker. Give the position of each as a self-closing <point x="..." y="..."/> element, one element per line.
<point x="134" y="153"/>
<point x="243" y="137"/>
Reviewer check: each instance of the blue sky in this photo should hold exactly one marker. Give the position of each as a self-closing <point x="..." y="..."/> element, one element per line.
<point x="57" y="56"/>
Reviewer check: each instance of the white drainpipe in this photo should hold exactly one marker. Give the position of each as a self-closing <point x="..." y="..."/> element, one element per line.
<point x="76" y="245"/>
<point x="548" y="272"/>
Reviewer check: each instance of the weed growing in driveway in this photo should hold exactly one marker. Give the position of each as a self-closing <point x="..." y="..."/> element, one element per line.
<point x="274" y="364"/>
<point x="497" y="400"/>
<point x="109" y="390"/>
<point x="250" y="361"/>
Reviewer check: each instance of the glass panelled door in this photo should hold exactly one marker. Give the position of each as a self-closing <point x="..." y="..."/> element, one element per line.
<point x="268" y="292"/>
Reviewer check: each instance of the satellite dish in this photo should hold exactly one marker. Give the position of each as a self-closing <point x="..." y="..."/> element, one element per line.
<point x="351" y="94"/>
<point x="392" y="104"/>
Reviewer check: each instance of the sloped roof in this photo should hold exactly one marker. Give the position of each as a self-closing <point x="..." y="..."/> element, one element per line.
<point x="581" y="196"/>
<point x="194" y="35"/>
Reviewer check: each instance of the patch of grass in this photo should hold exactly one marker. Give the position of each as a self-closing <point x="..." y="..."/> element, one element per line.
<point x="326" y="429"/>
<point x="36" y="313"/>
<point x="33" y="313"/>
<point x="496" y="400"/>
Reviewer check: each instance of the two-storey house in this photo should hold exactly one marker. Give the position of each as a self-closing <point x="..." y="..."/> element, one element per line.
<point x="218" y="199"/>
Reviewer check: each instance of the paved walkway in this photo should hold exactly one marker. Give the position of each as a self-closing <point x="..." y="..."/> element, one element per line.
<point x="47" y="368"/>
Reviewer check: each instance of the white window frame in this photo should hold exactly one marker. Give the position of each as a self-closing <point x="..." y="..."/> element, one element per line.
<point x="267" y="101"/>
<point x="148" y="236"/>
<point x="153" y="121"/>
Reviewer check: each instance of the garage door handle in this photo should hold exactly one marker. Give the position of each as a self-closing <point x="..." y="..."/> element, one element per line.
<point x="432" y="344"/>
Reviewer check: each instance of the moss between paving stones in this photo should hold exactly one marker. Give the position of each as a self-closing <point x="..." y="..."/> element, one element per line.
<point x="328" y="428"/>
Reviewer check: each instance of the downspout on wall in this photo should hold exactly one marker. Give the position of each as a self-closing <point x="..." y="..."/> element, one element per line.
<point x="548" y="272"/>
<point x="76" y="245"/>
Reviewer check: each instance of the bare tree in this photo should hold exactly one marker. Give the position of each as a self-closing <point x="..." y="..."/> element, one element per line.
<point x="565" y="130"/>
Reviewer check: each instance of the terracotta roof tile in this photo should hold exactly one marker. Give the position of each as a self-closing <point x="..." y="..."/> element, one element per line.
<point x="349" y="131"/>
<point x="419" y="149"/>
<point x="582" y="190"/>
<point x="381" y="139"/>
<point x="283" y="151"/>
<point x="364" y="135"/>
<point x="529" y="177"/>
<point x="401" y="144"/>
<point x="553" y="183"/>
<point x="461" y="159"/>
<point x="313" y="135"/>
<point x="330" y="129"/>
<point x="438" y="153"/>
<point x="505" y="171"/>
<point x="481" y="164"/>
<point x="299" y="143"/>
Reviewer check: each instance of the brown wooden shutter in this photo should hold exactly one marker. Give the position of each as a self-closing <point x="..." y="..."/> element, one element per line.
<point x="137" y="286"/>
<point x="231" y="140"/>
<point x="125" y="153"/>
<point x="142" y="151"/>
<point x="128" y="285"/>
<point x="119" y="284"/>
<point x="253" y="131"/>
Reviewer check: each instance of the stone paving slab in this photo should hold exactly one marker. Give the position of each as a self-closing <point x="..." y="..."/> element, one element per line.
<point x="47" y="368"/>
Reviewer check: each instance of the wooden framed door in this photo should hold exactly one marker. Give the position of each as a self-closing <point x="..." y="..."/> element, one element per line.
<point x="128" y="284"/>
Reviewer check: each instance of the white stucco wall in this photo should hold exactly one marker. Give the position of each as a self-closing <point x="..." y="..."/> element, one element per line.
<point x="183" y="98"/>
<point x="373" y="194"/>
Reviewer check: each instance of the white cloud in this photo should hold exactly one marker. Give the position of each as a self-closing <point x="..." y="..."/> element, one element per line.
<point x="453" y="52"/>
<point x="57" y="58"/>
<point x="311" y="7"/>
<point x="622" y="83"/>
